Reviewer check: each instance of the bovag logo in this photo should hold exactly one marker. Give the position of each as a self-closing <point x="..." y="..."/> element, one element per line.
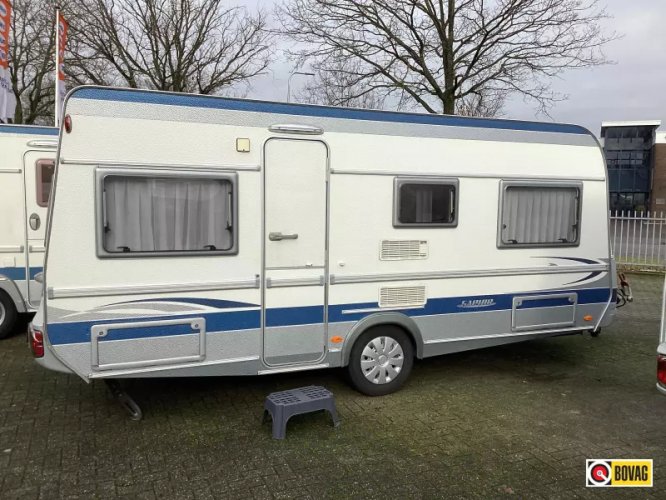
<point x="607" y="473"/>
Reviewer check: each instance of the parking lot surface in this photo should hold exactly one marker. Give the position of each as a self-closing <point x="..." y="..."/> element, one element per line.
<point x="514" y="421"/>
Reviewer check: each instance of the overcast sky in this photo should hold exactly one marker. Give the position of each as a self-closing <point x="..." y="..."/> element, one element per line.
<point x="634" y="88"/>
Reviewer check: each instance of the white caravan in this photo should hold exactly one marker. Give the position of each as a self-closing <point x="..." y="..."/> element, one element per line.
<point x="193" y="235"/>
<point x="26" y="171"/>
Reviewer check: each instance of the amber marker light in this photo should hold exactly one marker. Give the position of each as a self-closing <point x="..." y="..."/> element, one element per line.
<point x="588" y="318"/>
<point x="336" y="340"/>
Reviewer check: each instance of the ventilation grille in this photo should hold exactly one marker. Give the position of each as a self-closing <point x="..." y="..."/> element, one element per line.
<point x="402" y="296"/>
<point x="403" y="250"/>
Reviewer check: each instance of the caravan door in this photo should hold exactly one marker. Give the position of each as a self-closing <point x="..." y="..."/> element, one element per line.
<point x="38" y="175"/>
<point x="295" y="204"/>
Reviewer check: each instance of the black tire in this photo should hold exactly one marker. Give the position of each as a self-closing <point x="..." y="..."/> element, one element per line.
<point x="8" y="315"/>
<point x="595" y="333"/>
<point x="357" y="375"/>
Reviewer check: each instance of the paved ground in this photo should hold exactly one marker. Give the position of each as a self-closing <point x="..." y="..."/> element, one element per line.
<point x="515" y="421"/>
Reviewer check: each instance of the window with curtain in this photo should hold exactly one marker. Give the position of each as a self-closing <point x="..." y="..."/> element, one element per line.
<point x="429" y="203"/>
<point x="540" y="215"/>
<point x="44" y="178"/>
<point x="169" y="214"/>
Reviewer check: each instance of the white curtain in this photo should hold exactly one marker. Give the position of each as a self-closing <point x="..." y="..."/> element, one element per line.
<point x="534" y="215"/>
<point x="424" y="204"/>
<point x="166" y="215"/>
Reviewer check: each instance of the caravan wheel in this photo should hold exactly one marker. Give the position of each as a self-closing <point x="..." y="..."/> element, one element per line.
<point x="7" y="315"/>
<point x="381" y="360"/>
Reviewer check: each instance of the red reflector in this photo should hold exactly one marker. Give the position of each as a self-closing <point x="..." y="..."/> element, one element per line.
<point x="36" y="343"/>
<point x="68" y="124"/>
<point x="661" y="369"/>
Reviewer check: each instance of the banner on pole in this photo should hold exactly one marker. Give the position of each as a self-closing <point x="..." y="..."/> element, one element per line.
<point x="7" y="98"/>
<point x="63" y="27"/>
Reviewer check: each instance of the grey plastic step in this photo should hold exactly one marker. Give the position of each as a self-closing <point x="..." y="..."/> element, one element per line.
<point x="285" y="404"/>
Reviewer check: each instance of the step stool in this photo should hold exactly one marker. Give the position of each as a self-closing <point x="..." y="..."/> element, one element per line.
<point x="285" y="404"/>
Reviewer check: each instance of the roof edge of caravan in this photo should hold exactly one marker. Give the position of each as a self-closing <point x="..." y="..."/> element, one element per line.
<point x="10" y="128"/>
<point x="158" y="97"/>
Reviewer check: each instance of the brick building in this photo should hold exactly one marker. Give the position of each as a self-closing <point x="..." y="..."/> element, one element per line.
<point x="636" y="161"/>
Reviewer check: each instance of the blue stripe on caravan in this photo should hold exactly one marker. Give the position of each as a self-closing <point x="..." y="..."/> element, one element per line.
<point x="452" y="305"/>
<point x="229" y="321"/>
<point x="213" y="102"/>
<point x="23" y="129"/>
<point x="75" y="332"/>
<point x="292" y="316"/>
<point x="18" y="273"/>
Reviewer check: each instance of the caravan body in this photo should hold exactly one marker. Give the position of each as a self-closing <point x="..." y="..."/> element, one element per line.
<point x="28" y="155"/>
<point x="194" y="235"/>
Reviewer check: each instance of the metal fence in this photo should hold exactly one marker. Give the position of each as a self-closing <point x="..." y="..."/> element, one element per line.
<point x="639" y="239"/>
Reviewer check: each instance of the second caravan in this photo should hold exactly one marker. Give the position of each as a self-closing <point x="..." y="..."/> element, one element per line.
<point x="194" y="235"/>
<point x="26" y="172"/>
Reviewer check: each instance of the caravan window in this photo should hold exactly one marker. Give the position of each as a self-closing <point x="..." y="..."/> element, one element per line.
<point x="45" y="170"/>
<point x="539" y="215"/>
<point x="167" y="215"/>
<point x="425" y="202"/>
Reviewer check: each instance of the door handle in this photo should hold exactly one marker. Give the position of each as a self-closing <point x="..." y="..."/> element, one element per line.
<point x="280" y="236"/>
<point x="35" y="222"/>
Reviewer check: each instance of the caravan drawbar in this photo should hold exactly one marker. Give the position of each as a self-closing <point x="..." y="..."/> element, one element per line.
<point x="192" y="235"/>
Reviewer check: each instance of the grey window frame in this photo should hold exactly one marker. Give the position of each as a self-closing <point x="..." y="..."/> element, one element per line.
<point x="102" y="173"/>
<point x="539" y="184"/>
<point x="39" y="178"/>
<point x="398" y="182"/>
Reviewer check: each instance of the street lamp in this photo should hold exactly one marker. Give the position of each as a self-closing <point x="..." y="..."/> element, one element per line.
<point x="289" y="81"/>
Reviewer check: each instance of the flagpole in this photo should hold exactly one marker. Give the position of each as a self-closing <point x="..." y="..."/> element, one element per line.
<point x="57" y="68"/>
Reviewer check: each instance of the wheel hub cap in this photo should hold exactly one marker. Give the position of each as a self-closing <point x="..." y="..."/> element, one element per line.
<point x="382" y="360"/>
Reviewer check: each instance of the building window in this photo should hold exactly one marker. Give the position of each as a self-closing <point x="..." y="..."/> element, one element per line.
<point x="45" y="170"/>
<point x="425" y="202"/>
<point x="628" y="150"/>
<point x="167" y="215"/>
<point x="539" y="215"/>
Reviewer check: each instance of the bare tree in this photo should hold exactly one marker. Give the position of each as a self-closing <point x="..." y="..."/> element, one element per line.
<point x="31" y="60"/>
<point x="337" y="86"/>
<point x="451" y="56"/>
<point x="182" y="45"/>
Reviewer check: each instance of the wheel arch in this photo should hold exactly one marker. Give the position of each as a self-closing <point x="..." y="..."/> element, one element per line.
<point x="11" y="290"/>
<point x="402" y="321"/>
